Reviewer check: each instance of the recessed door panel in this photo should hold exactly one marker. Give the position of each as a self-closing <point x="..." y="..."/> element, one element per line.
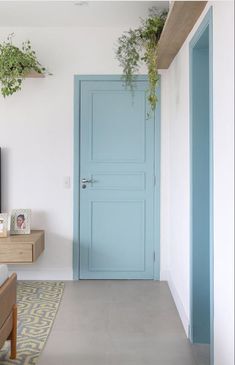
<point x="113" y="120"/>
<point x="118" y="236"/>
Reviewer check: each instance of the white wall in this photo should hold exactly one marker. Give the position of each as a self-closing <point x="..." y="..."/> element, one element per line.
<point x="36" y="134"/>
<point x="224" y="183"/>
<point x="176" y="105"/>
<point x="176" y="179"/>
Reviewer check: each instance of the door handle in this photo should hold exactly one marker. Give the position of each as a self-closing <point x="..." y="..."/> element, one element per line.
<point x="87" y="181"/>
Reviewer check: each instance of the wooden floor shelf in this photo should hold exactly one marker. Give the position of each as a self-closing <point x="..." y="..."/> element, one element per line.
<point x="180" y="21"/>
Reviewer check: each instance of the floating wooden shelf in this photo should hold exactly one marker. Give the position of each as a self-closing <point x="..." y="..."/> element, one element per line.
<point x="22" y="248"/>
<point x="180" y="21"/>
<point x="34" y="74"/>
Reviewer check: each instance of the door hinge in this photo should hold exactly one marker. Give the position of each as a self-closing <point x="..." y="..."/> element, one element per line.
<point x="154" y="256"/>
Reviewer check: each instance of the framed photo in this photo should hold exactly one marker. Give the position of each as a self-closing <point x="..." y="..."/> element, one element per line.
<point x="20" y="221"/>
<point x="4" y="224"/>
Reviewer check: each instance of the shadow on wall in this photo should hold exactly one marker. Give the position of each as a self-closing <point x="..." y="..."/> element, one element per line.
<point x="55" y="263"/>
<point x="5" y="162"/>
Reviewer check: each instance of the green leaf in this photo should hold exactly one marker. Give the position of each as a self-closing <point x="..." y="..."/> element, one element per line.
<point x="15" y="63"/>
<point x="137" y="46"/>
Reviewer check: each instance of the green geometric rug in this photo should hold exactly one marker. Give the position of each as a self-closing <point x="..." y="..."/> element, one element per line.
<point x="38" y="302"/>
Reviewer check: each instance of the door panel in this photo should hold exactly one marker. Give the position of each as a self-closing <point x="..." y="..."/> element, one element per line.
<point x="117" y="206"/>
<point x="112" y="248"/>
<point x="113" y="113"/>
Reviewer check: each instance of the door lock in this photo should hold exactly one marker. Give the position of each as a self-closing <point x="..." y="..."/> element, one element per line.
<point x="86" y="181"/>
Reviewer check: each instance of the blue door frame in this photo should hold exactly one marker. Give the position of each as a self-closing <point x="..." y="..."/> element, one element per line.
<point x="203" y="35"/>
<point x="76" y="179"/>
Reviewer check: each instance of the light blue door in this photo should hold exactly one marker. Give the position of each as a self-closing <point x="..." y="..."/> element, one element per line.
<point x="117" y="195"/>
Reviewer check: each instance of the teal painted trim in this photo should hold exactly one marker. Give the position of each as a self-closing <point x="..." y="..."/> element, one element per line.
<point x="76" y="179"/>
<point x="211" y="180"/>
<point x="106" y="77"/>
<point x="207" y="22"/>
<point x="157" y="189"/>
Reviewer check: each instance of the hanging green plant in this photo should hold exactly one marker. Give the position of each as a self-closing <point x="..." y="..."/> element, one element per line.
<point x="140" y="46"/>
<point x="15" y="64"/>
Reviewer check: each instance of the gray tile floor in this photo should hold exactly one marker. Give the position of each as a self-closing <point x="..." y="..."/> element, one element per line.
<point x="118" y="323"/>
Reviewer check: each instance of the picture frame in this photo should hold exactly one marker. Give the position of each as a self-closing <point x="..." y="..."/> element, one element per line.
<point x="21" y="221"/>
<point x="4" y="224"/>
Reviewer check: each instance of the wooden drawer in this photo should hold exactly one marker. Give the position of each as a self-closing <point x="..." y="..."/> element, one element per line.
<point x="22" y="252"/>
<point x="21" y="248"/>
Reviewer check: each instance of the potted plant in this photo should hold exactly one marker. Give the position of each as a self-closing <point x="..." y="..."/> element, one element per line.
<point x="140" y="45"/>
<point x="16" y="64"/>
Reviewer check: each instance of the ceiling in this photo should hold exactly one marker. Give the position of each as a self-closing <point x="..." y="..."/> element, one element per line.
<point x="75" y="13"/>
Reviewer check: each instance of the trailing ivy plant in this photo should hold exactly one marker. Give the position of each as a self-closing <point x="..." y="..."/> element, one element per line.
<point x="15" y="64"/>
<point x="138" y="46"/>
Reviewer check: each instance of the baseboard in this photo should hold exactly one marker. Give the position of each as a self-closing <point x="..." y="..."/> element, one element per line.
<point x="179" y="305"/>
<point x="45" y="274"/>
<point x="164" y="275"/>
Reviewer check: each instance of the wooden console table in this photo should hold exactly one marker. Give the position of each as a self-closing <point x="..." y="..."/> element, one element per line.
<point x="20" y="249"/>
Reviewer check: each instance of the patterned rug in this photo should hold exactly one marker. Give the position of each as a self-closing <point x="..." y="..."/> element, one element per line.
<point x="38" y="302"/>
